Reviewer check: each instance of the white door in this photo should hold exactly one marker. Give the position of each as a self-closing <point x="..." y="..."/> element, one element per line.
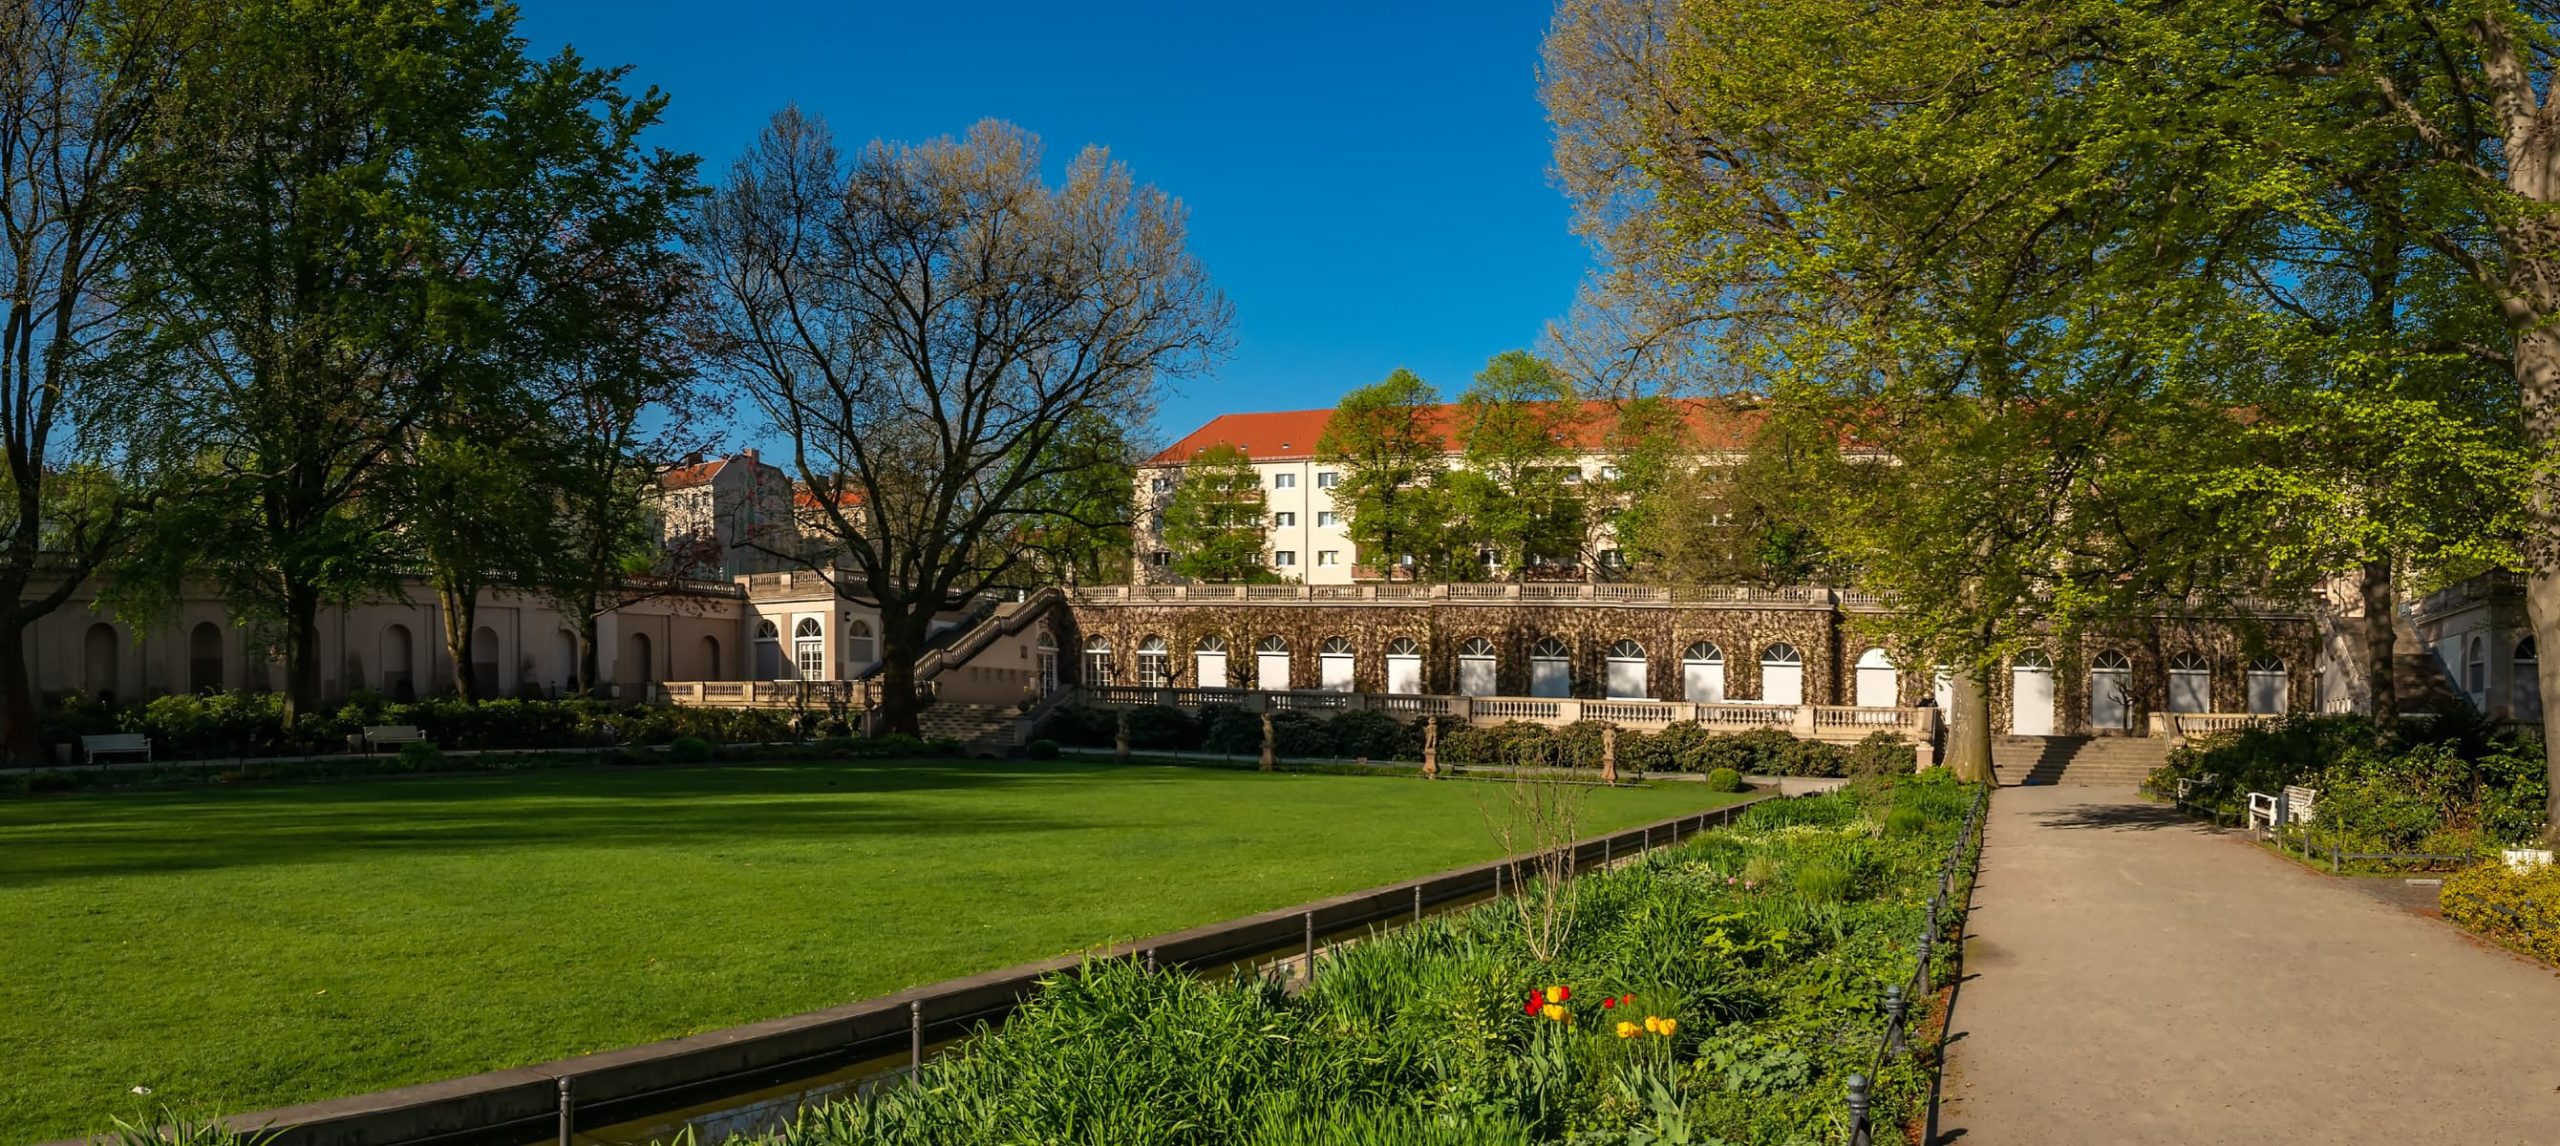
<point x="1212" y="669"/>
<point x="1337" y="671"/>
<point x="1549" y="677"/>
<point x="1271" y="671"/>
<point x="2110" y="698"/>
<point x="1702" y="682"/>
<point x="1626" y="672"/>
<point x="1475" y="676"/>
<point x="1878" y="683"/>
<point x="1404" y="673"/>
<point x="2031" y="696"/>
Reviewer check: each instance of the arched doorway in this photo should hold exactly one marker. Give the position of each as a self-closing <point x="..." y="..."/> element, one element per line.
<point x="485" y="660"/>
<point x="2267" y="687"/>
<point x="2111" y="690"/>
<point x="566" y="648"/>
<point x="2190" y="684"/>
<point x="1271" y="664"/>
<point x="2528" y="686"/>
<point x="1702" y="674"/>
<point x="1209" y="662"/>
<point x="1879" y="684"/>
<point x="98" y="653"/>
<point x="1045" y="662"/>
<point x="1476" y="665"/>
<point x="204" y="658"/>
<point x="809" y="649"/>
<point x="2031" y="694"/>
<point x="1404" y="665"/>
<point x="398" y="654"/>
<point x="1550" y="670"/>
<point x="1781" y="674"/>
<point x="1155" y="663"/>
<point x="1334" y="661"/>
<point x="1627" y="673"/>
<point x="769" y="650"/>
<point x="711" y="667"/>
<point x="643" y="653"/>
<point x="859" y="649"/>
<point x="1097" y="661"/>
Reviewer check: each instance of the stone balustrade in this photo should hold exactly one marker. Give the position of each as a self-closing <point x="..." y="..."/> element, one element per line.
<point x="1838" y="723"/>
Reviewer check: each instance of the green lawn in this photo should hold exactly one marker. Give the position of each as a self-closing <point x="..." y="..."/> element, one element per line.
<point x="233" y="949"/>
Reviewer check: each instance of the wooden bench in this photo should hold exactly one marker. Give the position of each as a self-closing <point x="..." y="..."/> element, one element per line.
<point x="114" y="744"/>
<point x="376" y="736"/>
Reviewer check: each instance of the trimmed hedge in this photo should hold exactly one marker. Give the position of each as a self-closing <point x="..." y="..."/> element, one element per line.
<point x="250" y="724"/>
<point x="1377" y="736"/>
<point x="2518" y="908"/>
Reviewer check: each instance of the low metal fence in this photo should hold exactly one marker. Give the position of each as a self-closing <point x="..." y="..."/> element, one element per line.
<point x="1900" y="997"/>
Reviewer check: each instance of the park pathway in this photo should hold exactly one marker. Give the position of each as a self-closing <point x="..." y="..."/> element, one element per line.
<point x="2132" y="977"/>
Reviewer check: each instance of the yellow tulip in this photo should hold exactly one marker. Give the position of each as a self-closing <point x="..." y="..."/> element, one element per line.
<point x="1551" y="1011"/>
<point x="1652" y="1025"/>
<point x="1626" y="1030"/>
<point x="1668" y="1026"/>
<point x="1555" y="994"/>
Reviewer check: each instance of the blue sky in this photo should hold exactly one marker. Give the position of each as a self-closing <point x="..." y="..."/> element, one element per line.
<point x="1367" y="182"/>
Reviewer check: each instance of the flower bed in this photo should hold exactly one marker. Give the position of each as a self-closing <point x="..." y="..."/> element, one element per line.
<point x="2518" y="908"/>
<point x="1722" y="991"/>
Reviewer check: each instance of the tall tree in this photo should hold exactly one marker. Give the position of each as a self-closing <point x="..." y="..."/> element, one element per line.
<point x="1214" y="521"/>
<point x="1087" y="538"/>
<point x="77" y="85"/>
<point x="1519" y="493"/>
<point x="1388" y="441"/>
<point x="926" y="323"/>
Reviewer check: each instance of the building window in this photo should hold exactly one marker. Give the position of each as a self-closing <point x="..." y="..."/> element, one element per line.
<point x="1154" y="666"/>
<point x="1476" y="666"/>
<point x="1549" y="673"/>
<point x="1161" y="485"/>
<point x="1327" y="479"/>
<point x="1334" y="664"/>
<point x="858" y="651"/>
<point x="1573" y="477"/>
<point x="2475" y="674"/>
<point x="1608" y="473"/>
<point x="2267" y="690"/>
<point x="1160" y="558"/>
<point x="1284" y="481"/>
<point x="1283" y="520"/>
<point x="2190" y="684"/>
<point x="1328" y="557"/>
<point x="1702" y="673"/>
<point x="809" y="649"/>
<point x="1209" y="662"/>
<point x="1271" y="664"/>
<point x="1404" y="665"/>
<point x="1328" y="518"/>
<point x="1781" y="674"/>
<point x="1626" y="677"/>
<point x="1284" y="558"/>
<point x="2527" y="686"/>
<point x="1612" y="559"/>
<point x="1097" y="662"/>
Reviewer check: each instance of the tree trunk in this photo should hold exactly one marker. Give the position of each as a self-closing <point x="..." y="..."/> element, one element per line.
<point x="2537" y="364"/>
<point x="2381" y="640"/>
<point x="17" y="697"/>
<point x="1969" y="727"/>
<point x="301" y="651"/>
<point x="899" y="706"/>
<point x="589" y="658"/>
<point x="461" y="612"/>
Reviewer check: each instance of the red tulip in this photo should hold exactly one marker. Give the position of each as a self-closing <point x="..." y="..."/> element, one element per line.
<point x="1605" y="1004"/>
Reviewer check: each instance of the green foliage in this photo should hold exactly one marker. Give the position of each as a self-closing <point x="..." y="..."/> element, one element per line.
<point x="1724" y="780"/>
<point x="1520" y="494"/>
<point x="689" y="750"/>
<point x="1386" y="438"/>
<point x="1881" y="754"/>
<point x="250" y="724"/>
<point x="1041" y="750"/>
<point x="2518" y="908"/>
<point x="2450" y="785"/>
<point x="1214" y="522"/>
<point x="420" y="756"/>
<point x="1420" y="1034"/>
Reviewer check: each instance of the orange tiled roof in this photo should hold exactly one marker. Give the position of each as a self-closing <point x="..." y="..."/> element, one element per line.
<point x="685" y="477"/>
<point x="1292" y="434"/>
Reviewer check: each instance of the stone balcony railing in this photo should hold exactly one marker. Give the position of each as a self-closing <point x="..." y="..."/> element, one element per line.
<point x="1839" y="723"/>
<point x="1487" y="593"/>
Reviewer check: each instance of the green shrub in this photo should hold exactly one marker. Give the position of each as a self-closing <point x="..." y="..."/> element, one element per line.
<point x="1376" y="736"/>
<point x="1881" y="754"/>
<point x="1041" y="750"/>
<point x="420" y="756"/>
<point x="2520" y="909"/>
<point x="1905" y="822"/>
<point x="689" y="750"/>
<point x="1724" y="780"/>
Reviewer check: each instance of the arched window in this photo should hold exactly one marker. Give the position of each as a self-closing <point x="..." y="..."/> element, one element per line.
<point x="485" y="660"/>
<point x="396" y="652"/>
<point x="1879" y="684"/>
<point x="643" y="658"/>
<point x="2031" y="694"/>
<point x="1626" y="672"/>
<point x="711" y="666"/>
<point x="1155" y="663"/>
<point x="1335" y="662"/>
<point x="2111" y="690"/>
<point x="809" y="648"/>
<point x="2190" y="683"/>
<point x="1404" y="665"/>
<point x="98" y="661"/>
<point x="1209" y="662"/>
<point x="204" y="658"/>
<point x="2475" y="673"/>
<point x="1476" y="664"/>
<point x="1271" y="664"/>
<point x="2528" y="681"/>
<point x="1702" y="673"/>
<point x="1097" y="661"/>
<point x="859" y="650"/>
<point x="769" y="660"/>
<point x="2267" y="690"/>
<point x="1045" y="661"/>
<point x="1781" y="674"/>
<point x="1550" y="672"/>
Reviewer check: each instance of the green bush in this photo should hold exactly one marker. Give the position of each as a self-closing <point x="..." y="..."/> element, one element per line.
<point x="2520" y="909"/>
<point x="1041" y="750"/>
<point x="689" y="750"/>
<point x="1724" y="780"/>
<point x="2454" y="784"/>
<point x="1881" y="754"/>
<point x="420" y="756"/>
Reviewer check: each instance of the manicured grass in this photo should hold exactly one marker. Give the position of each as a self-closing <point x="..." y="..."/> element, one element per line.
<point x="233" y="949"/>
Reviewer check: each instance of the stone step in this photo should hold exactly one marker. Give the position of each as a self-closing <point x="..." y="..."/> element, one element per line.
<point x="2114" y="761"/>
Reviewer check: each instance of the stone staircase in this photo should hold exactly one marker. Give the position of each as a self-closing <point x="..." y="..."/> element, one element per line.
<point x="2110" y="761"/>
<point x="986" y="729"/>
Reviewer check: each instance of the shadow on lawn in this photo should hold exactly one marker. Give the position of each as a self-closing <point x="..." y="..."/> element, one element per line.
<point x="136" y="832"/>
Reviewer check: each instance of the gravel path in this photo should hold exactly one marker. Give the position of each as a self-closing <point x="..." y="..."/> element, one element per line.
<point x="2133" y="977"/>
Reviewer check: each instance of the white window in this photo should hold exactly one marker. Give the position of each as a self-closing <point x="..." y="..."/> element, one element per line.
<point x="1781" y="674"/>
<point x="1475" y="667"/>
<point x="1612" y="559"/>
<point x="1327" y="479"/>
<point x="1284" y="558"/>
<point x="1161" y="485"/>
<point x="2190" y="684"/>
<point x="1154" y="667"/>
<point x="1404" y="665"/>
<point x="1627" y="672"/>
<point x="1608" y="473"/>
<point x="1209" y="660"/>
<point x="1284" y="481"/>
<point x="1335" y="662"/>
<point x="809" y="649"/>
<point x="1879" y="685"/>
<point x="2266" y="685"/>
<point x="1702" y="674"/>
<point x="858" y="650"/>
<point x="1048" y="663"/>
<point x="1550" y="674"/>
<point x="1271" y="664"/>
<point x="2031" y="694"/>
<point x="1328" y="557"/>
<point x="1573" y="477"/>
<point x="1097" y="661"/>
<point x="1283" y="520"/>
<point x="2111" y="690"/>
<point x="1328" y="518"/>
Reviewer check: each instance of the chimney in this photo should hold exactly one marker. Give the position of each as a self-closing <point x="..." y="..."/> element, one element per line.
<point x="751" y="457"/>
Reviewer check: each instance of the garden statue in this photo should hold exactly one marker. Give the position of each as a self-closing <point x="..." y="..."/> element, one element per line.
<point x="1430" y="747"/>
<point x="1270" y="742"/>
<point x="1609" y="755"/>
<point x="1120" y="738"/>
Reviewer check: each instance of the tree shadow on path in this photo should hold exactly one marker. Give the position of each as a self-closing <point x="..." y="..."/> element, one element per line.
<point x="2118" y="817"/>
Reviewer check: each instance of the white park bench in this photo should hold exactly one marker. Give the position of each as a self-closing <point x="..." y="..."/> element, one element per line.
<point x="378" y="735"/>
<point x="114" y="744"/>
<point x="2296" y="806"/>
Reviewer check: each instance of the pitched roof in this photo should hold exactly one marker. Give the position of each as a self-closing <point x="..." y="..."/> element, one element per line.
<point x="686" y="477"/>
<point x="1714" y="424"/>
